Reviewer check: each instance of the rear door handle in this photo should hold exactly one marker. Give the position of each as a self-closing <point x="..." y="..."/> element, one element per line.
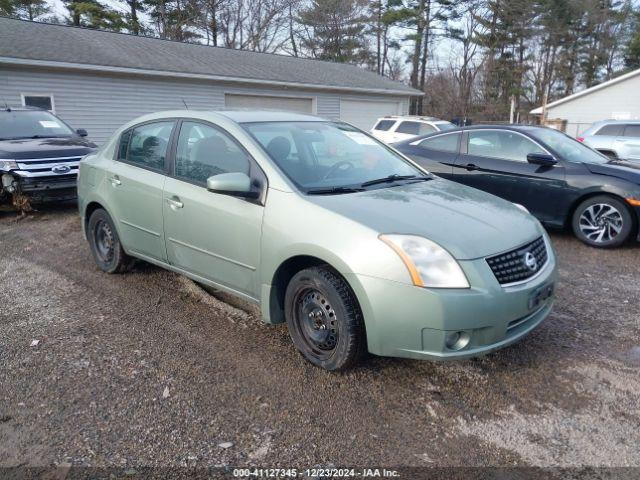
<point x="175" y="203"/>
<point x="115" y="181"/>
<point x="471" y="167"/>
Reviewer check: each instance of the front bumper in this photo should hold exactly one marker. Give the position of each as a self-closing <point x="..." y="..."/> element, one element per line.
<point x="407" y="321"/>
<point x="46" y="189"/>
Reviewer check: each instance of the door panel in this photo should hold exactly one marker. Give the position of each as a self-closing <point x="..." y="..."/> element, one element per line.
<point x="214" y="236"/>
<point x="629" y="144"/>
<point x="540" y="189"/>
<point x="136" y="201"/>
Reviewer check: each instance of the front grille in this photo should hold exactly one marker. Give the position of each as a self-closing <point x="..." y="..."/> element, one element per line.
<point x="43" y="167"/>
<point x="519" y="264"/>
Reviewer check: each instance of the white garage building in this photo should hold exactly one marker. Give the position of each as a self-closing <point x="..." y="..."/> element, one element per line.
<point x="99" y="80"/>
<point x="617" y="99"/>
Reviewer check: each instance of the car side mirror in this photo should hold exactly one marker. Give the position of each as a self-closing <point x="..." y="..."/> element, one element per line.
<point x="235" y="184"/>
<point x="82" y="132"/>
<point x="543" y="159"/>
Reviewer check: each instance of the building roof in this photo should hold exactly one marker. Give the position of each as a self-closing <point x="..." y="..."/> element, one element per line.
<point x="48" y="45"/>
<point x="582" y="93"/>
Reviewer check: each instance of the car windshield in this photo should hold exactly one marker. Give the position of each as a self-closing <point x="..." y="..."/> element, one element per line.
<point x="568" y="148"/>
<point x="444" y="126"/>
<point x="15" y="124"/>
<point x="319" y="156"/>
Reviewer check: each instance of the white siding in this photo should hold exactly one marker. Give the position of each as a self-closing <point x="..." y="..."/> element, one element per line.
<point x="617" y="100"/>
<point x="101" y="103"/>
<point x="364" y="113"/>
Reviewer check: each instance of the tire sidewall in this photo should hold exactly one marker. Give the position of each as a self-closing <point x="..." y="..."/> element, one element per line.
<point x="96" y="217"/>
<point x="308" y="279"/>
<point x="628" y="224"/>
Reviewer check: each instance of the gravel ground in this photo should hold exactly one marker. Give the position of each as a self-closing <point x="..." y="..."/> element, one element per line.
<point x="147" y="369"/>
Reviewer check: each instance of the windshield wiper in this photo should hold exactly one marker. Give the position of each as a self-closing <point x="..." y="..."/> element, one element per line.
<point x="333" y="190"/>
<point x="393" y="178"/>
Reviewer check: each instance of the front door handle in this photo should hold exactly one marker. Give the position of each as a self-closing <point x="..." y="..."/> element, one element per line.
<point x="115" y="181"/>
<point x="175" y="203"/>
<point x="471" y="167"/>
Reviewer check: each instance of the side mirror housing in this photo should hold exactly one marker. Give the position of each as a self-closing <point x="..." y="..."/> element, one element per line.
<point x="82" y="132"/>
<point x="542" y="159"/>
<point x="235" y="184"/>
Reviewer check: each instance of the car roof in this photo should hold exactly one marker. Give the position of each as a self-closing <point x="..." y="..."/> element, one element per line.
<point x="623" y="122"/>
<point x="247" y="116"/>
<point x="506" y="127"/>
<point x="414" y="118"/>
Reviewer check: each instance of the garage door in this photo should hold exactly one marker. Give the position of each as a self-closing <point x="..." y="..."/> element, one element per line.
<point x="291" y="104"/>
<point x="363" y="114"/>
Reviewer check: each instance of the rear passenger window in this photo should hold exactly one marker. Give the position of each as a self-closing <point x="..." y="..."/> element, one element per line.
<point x="204" y="151"/>
<point x="148" y="145"/>
<point x="384" y="125"/>
<point x="611" y="130"/>
<point x="632" y="131"/>
<point x="412" y="128"/>
<point x="442" y="143"/>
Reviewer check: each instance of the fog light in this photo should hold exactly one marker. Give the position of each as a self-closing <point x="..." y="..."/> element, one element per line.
<point x="457" y="340"/>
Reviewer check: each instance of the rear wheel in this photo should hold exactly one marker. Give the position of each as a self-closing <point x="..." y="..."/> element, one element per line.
<point x="603" y="221"/>
<point x="324" y="319"/>
<point x="105" y="243"/>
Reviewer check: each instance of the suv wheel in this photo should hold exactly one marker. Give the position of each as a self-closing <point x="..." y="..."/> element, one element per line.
<point x="603" y="221"/>
<point x="324" y="319"/>
<point x="105" y="243"/>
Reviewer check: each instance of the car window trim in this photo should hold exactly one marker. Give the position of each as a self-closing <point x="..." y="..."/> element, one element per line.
<point x="457" y="150"/>
<point x="255" y="170"/>
<point x="162" y="171"/>
<point x="504" y="130"/>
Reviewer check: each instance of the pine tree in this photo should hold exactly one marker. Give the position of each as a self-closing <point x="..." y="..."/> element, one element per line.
<point x="335" y="30"/>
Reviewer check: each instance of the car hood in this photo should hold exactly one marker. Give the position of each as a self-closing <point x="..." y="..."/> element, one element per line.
<point x="45" y="147"/>
<point x="467" y="222"/>
<point x="617" y="168"/>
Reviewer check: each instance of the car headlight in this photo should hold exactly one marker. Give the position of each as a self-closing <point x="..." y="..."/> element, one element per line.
<point x="428" y="263"/>
<point x="7" y="165"/>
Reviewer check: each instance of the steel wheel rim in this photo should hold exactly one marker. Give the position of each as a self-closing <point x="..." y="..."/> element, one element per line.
<point x="103" y="236"/>
<point x="316" y="322"/>
<point x="601" y="223"/>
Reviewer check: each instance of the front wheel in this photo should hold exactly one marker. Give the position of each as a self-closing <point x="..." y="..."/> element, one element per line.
<point x="603" y="221"/>
<point x="105" y="243"/>
<point x="324" y="319"/>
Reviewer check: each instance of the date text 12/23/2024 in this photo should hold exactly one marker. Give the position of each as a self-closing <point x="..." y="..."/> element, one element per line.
<point x="315" y="473"/>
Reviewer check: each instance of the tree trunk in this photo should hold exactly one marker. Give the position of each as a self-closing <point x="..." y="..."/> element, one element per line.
<point x="415" y="61"/>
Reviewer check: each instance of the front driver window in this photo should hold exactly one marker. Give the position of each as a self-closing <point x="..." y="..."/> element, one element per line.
<point x="501" y="144"/>
<point x="204" y="151"/>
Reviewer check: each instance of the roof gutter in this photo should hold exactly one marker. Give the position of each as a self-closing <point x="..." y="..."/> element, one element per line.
<point x="200" y="76"/>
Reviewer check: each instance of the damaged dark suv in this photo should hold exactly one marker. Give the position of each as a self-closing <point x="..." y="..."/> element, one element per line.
<point x="39" y="157"/>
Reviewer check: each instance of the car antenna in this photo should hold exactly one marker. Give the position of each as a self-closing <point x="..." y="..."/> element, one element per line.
<point x="185" y="103"/>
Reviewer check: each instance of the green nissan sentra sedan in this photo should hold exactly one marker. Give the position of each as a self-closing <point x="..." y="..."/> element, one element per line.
<point x="322" y="226"/>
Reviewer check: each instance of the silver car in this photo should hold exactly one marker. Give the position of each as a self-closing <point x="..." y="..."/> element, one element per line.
<point x="618" y="139"/>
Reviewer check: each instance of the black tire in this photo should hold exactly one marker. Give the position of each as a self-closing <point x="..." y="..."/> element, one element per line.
<point x="597" y="220"/>
<point x="105" y="244"/>
<point x="324" y="319"/>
